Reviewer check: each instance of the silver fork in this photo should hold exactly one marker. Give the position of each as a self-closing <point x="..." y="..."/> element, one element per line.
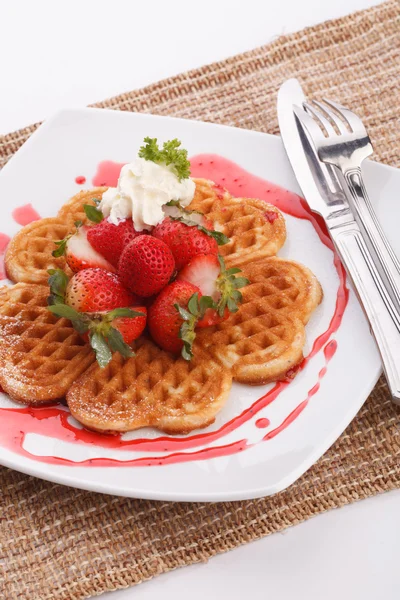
<point x="346" y="149"/>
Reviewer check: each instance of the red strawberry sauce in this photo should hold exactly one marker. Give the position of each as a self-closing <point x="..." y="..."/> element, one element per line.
<point x="26" y="214"/>
<point x="53" y="421"/>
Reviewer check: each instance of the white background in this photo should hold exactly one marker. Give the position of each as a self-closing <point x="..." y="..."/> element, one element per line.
<point x="80" y="51"/>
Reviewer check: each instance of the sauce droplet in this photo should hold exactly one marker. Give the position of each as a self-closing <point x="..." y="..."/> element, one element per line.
<point x="80" y="180"/>
<point x="23" y="215"/>
<point x="262" y="423"/>
<point x="107" y="173"/>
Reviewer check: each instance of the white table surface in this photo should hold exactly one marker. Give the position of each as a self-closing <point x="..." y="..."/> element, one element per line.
<point x="77" y="52"/>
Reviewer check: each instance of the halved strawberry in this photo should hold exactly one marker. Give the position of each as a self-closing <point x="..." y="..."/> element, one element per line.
<point x="79" y="254"/>
<point x="96" y="290"/>
<point x="209" y="274"/>
<point x="203" y="271"/>
<point x="146" y="265"/>
<point x="110" y="240"/>
<point x="171" y="322"/>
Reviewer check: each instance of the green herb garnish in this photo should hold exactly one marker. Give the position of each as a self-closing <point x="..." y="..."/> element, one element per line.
<point x="171" y="155"/>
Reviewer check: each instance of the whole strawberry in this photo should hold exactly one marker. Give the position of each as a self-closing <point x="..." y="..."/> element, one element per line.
<point x="171" y="324"/>
<point x="102" y="315"/>
<point x="146" y="265"/>
<point x="96" y="290"/>
<point x="185" y="241"/>
<point x="109" y="240"/>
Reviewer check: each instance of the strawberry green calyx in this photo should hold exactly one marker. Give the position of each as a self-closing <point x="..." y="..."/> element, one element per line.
<point x="228" y="285"/>
<point x="62" y="244"/>
<point x="195" y="311"/>
<point x="93" y="213"/>
<point x="58" y="282"/>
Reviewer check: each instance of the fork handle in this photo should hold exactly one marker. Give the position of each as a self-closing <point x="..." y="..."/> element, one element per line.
<point x="377" y="303"/>
<point x="386" y="261"/>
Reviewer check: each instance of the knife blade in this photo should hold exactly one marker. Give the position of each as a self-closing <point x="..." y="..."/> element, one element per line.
<point x="318" y="181"/>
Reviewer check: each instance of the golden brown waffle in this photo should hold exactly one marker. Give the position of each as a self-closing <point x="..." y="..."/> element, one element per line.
<point x="284" y="285"/>
<point x="151" y="389"/>
<point x="73" y="211"/>
<point x="29" y="255"/>
<point x="265" y="338"/>
<point x="40" y="355"/>
<point x="256" y="229"/>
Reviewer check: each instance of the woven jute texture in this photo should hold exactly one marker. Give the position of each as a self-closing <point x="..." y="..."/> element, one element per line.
<point x="59" y="543"/>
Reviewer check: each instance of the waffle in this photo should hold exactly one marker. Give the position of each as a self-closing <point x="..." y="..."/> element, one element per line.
<point x="40" y="355"/>
<point x="73" y="211"/>
<point x="256" y="229"/>
<point x="151" y="389"/>
<point x="28" y="255"/>
<point x="265" y="338"/>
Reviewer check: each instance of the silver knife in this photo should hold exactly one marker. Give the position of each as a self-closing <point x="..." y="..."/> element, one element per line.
<point x="324" y="194"/>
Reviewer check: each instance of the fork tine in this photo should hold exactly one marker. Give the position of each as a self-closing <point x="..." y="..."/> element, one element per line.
<point x="354" y="122"/>
<point x="320" y="117"/>
<point x="333" y="117"/>
<point x="309" y="124"/>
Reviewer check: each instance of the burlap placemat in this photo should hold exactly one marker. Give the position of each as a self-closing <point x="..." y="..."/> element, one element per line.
<point x="59" y="543"/>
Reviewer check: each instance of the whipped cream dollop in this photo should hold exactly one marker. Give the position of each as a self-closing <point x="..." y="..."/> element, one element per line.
<point x="144" y="187"/>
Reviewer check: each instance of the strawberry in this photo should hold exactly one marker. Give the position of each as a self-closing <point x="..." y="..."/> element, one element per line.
<point x="171" y="322"/>
<point x="96" y="290"/>
<point x="79" y="254"/>
<point x="185" y="241"/>
<point x="106" y="330"/>
<point x="131" y="328"/>
<point x="209" y="274"/>
<point x="146" y="265"/>
<point x="203" y="271"/>
<point x="110" y="240"/>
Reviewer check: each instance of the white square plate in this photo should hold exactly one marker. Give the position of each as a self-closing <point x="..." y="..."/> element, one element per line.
<point x="43" y="173"/>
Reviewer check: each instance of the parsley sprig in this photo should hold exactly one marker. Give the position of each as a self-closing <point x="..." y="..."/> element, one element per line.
<point x="171" y="155"/>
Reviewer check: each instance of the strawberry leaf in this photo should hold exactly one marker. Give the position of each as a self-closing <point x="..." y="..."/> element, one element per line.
<point x="239" y="282"/>
<point x="61" y="247"/>
<point x="121" y="312"/>
<point x="93" y="213"/>
<point x="183" y="313"/>
<point x="117" y="344"/>
<point x="101" y="349"/>
<point x="67" y="312"/>
<point x="228" y="285"/>
<point x="187" y="335"/>
<point x="206" y="302"/>
<point x="193" y="304"/>
<point x="185" y="218"/>
<point x="218" y="236"/>
<point x="58" y="282"/>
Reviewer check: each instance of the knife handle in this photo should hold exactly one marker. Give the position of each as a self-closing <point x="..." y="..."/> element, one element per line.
<point x="378" y="306"/>
<point x="366" y="218"/>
